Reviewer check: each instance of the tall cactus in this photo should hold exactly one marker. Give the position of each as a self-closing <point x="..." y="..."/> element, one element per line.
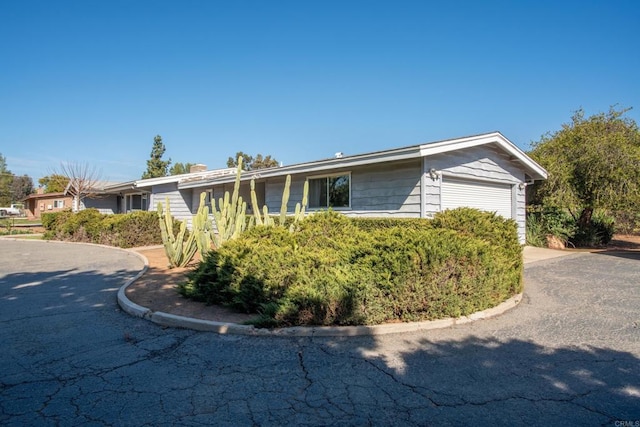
<point x="254" y="204"/>
<point x="179" y="251"/>
<point x="267" y="220"/>
<point x="300" y="208"/>
<point x="230" y="216"/>
<point x="202" y="227"/>
<point x="285" y="201"/>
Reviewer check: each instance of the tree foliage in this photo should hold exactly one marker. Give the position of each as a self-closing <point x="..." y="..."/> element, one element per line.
<point x="252" y="163"/>
<point x="54" y="183"/>
<point x="156" y="167"/>
<point x="6" y="179"/>
<point x="593" y="163"/>
<point x="13" y="188"/>
<point x="180" y="168"/>
<point x="21" y="187"/>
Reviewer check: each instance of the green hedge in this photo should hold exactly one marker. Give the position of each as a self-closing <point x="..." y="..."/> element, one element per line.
<point x="340" y="271"/>
<point x="122" y="230"/>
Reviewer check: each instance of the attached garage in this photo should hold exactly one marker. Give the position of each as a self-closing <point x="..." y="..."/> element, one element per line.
<point x="483" y="195"/>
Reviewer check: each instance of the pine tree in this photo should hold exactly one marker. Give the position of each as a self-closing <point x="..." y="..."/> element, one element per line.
<point x="156" y="167"/>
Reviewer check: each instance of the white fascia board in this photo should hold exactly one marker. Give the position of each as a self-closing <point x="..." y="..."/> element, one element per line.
<point x="534" y="168"/>
<point x="150" y="182"/>
<point x="120" y="187"/>
<point x="186" y="177"/>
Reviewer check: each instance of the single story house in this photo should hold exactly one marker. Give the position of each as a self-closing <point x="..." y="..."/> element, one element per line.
<point x="484" y="171"/>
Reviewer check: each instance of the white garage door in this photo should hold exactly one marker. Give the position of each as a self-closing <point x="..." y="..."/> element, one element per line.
<point x="485" y="196"/>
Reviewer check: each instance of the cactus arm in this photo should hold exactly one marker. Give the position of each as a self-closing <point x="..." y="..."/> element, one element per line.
<point x="285" y="200"/>
<point x="254" y="204"/>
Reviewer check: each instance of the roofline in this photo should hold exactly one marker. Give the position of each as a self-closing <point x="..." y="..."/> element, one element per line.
<point x="536" y="171"/>
<point x="493" y="137"/>
<point x="150" y="182"/>
<point x="36" y="195"/>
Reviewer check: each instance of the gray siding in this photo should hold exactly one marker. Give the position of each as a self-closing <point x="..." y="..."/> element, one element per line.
<point x="107" y="204"/>
<point x="180" y="201"/>
<point x="391" y="189"/>
<point x="274" y="188"/>
<point x="476" y="163"/>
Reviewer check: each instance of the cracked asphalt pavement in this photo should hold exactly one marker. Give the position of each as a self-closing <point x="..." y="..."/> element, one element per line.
<point x="569" y="353"/>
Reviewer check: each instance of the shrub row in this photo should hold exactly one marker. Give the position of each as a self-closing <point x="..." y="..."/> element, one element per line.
<point x="339" y="271"/>
<point x="122" y="230"/>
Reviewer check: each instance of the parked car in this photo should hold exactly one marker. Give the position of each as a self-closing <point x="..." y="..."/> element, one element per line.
<point x="13" y="210"/>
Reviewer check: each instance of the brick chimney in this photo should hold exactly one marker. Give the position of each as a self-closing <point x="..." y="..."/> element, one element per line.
<point x="198" y="168"/>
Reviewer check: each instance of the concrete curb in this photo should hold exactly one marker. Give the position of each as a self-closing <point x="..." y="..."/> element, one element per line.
<point x="125" y="303"/>
<point x="175" y="321"/>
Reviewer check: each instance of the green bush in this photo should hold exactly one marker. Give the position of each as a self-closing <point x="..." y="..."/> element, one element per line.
<point x="122" y="230"/>
<point x="627" y="222"/>
<point x="598" y="233"/>
<point x="548" y="220"/>
<point x="339" y="271"/>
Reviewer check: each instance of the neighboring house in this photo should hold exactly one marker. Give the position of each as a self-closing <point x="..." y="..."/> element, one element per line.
<point x="40" y="202"/>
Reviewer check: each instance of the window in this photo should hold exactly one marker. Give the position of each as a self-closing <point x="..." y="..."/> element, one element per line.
<point x="136" y="202"/>
<point x="330" y="191"/>
<point x="209" y="199"/>
<point x="58" y="204"/>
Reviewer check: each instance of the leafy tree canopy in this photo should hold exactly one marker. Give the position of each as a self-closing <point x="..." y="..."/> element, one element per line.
<point x="54" y="183"/>
<point x="592" y="162"/>
<point x="180" y="168"/>
<point x="6" y="179"/>
<point x="13" y="188"/>
<point x="21" y="187"/>
<point x="156" y="167"/>
<point x="252" y="163"/>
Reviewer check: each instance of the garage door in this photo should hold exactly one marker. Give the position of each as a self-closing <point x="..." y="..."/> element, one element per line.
<point x="485" y="196"/>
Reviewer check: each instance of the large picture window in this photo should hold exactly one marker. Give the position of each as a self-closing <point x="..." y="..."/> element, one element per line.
<point x="330" y="191"/>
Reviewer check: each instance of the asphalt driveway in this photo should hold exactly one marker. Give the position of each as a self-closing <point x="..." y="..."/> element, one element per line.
<point x="569" y="353"/>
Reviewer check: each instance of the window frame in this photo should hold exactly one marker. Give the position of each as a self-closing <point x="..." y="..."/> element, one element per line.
<point x="144" y="202"/>
<point x="326" y="178"/>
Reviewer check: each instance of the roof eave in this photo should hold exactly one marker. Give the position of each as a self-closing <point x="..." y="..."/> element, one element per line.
<point x="532" y="168"/>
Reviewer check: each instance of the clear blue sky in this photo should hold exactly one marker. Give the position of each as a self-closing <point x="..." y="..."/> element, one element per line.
<point x="94" y="81"/>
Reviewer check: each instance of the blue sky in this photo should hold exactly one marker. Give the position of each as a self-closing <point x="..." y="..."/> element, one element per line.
<point x="94" y="81"/>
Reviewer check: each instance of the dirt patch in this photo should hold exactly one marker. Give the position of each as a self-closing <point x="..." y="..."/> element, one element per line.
<point x="625" y="242"/>
<point x="156" y="290"/>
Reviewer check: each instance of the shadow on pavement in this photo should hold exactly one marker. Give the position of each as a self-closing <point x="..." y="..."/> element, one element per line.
<point x="66" y="290"/>
<point x="477" y="379"/>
